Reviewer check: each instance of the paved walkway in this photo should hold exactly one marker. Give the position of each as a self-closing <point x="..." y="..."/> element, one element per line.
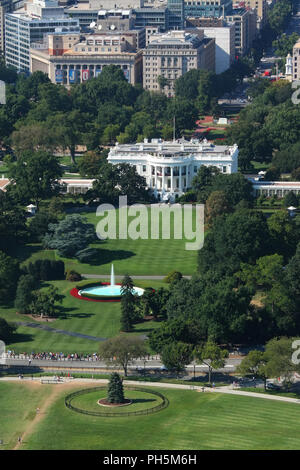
<point x="62" y="332"/>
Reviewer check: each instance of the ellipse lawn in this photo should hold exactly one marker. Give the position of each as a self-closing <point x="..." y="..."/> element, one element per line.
<point x="192" y="420"/>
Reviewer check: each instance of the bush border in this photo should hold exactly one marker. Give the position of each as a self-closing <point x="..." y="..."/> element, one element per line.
<point x="161" y="406"/>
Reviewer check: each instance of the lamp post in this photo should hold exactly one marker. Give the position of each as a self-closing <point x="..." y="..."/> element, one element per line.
<point x="194" y="365"/>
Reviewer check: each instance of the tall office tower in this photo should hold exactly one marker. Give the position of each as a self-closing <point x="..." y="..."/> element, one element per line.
<point x="7" y="6"/>
<point x="175" y="14"/>
<point x="215" y="8"/>
<point x="30" y="24"/>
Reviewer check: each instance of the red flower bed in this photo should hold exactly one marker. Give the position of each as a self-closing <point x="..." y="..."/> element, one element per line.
<point x="75" y="293"/>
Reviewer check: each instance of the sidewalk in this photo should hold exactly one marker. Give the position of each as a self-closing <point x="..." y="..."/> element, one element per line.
<point x="224" y="389"/>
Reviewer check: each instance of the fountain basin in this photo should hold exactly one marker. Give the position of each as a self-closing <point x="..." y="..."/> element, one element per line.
<point x="106" y="292"/>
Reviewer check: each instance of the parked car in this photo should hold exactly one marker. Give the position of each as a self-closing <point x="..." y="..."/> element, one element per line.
<point x="271" y="386"/>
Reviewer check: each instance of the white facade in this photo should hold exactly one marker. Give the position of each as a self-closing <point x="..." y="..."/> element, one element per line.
<point x="169" y="167"/>
<point x="275" y="188"/>
<point x="224" y="49"/>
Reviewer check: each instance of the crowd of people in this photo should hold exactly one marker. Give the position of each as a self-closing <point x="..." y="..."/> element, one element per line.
<point x="55" y="356"/>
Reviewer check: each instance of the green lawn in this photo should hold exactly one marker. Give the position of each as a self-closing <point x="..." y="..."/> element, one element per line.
<point x="192" y="421"/>
<point x="18" y="403"/>
<point x="101" y="319"/>
<point x="140" y="401"/>
<point x="136" y="257"/>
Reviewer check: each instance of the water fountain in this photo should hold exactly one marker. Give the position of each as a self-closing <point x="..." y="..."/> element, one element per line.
<point x="110" y="291"/>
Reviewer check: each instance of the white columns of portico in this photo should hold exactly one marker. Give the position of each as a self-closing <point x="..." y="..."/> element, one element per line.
<point x="163" y="177"/>
<point x="155" y="174"/>
<point x="180" y="178"/>
<point x="172" y="185"/>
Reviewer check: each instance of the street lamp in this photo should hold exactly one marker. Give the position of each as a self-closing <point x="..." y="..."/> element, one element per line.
<point x="194" y="364"/>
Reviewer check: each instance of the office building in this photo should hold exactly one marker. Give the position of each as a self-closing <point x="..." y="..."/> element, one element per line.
<point x="224" y="35"/>
<point x="175" y="14"/>
<point x="7" y="6"/>
<point x="261" y="10"/>
<point x="215" y="8"/>
<point x="170" y="55"/>
<point x="30" y="24"/>
<point x="245" y="29"/>
<point x="68" y="59"/>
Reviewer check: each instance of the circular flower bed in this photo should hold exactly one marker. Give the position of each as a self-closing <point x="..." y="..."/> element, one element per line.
<point x="75" y="293"/>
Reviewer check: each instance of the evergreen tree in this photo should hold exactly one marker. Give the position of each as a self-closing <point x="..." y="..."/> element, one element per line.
<point x="126" y="320"/>
<point x="128" y="304"/>
<point x="115" y="389"/>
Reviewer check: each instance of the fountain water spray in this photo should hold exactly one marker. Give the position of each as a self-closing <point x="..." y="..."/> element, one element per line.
<point x="112" y="276"/>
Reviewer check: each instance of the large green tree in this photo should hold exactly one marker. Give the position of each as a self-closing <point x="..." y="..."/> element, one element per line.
<point x="36" y="176"/>
<point x="212" y="355"/>
<point x="9" y="274"/>
<point x="70" y="235"/>
<point x="175" y="356"/>
<point x="122" y="350"/>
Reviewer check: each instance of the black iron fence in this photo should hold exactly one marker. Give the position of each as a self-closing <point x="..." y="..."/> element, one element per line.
<point x="164" y="403"/>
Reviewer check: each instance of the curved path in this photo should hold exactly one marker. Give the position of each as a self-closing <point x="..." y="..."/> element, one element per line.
<point x="62" y="332"/>
<point x="69" y="384"/>
<point x="223" y="389"/>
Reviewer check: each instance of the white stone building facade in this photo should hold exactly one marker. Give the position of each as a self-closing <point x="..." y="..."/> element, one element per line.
<point x="169" y="167"/>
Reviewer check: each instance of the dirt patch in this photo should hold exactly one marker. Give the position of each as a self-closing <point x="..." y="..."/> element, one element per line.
<point x="104" y="402"/>
<point x="38" y="318"/>
<point x="58" y="389"/>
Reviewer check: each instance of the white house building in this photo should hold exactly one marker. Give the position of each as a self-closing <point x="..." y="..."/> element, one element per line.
<point x="169" y="167"/>
<point x="274" y="188"/>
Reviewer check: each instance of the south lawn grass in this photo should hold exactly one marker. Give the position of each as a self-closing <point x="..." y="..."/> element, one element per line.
<point x="192" y="421"/>
<point x="100" y="319"/>
<point x="135" y="257"/>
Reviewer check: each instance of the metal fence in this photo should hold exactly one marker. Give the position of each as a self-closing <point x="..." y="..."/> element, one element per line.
<point x="161" y="406"/>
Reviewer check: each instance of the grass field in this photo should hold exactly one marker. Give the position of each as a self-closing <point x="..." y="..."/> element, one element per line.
<point x="100" y="319"/>
<point x="136" y="257"/>
<point x="192" y="421"/>
<point x="18" y="405"/>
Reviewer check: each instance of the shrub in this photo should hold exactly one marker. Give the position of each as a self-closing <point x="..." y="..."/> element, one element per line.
<point x="73" y="276"/>
<point x="173" y="276"/>
<point x="46" y="270"/>
<point x="6" y="330"/>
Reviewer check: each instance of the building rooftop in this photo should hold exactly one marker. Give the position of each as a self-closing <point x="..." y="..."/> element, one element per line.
<point x="173" y="37"/>
<point x="177" y="146"/>
<point x="3" y="183"/>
